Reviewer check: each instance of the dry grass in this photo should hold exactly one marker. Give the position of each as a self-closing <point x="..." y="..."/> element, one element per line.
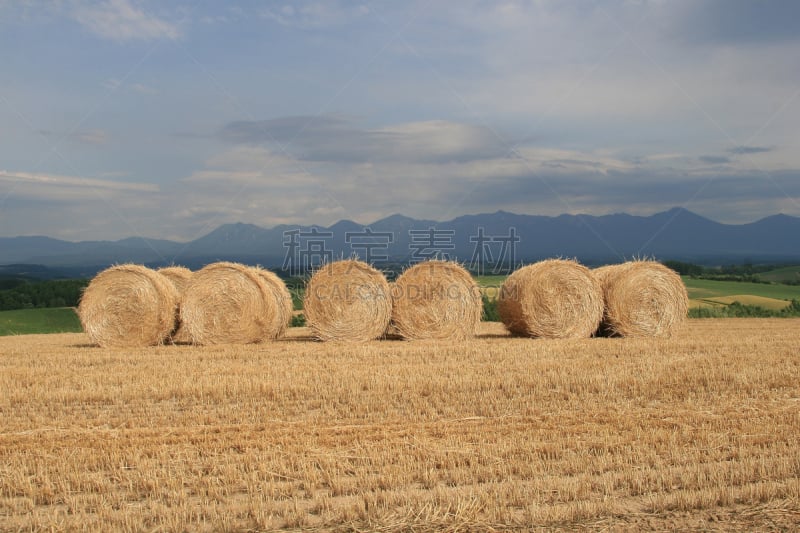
<point x="129" y="305"/>
<point x="700" y="431"/>
<point x="745" y="299"/>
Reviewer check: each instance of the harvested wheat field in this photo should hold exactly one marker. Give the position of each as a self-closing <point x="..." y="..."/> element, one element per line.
<point x="699" y="431"/>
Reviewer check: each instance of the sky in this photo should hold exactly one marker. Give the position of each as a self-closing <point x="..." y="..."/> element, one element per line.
<point x="164" y="119"/>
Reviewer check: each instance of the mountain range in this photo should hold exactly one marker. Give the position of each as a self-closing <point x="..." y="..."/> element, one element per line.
<point x="675" y="234"/>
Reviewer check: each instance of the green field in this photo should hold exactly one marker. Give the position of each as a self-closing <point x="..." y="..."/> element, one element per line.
<point x="703" y="288"/>
<point x="782" y="275"/>
<point x="490" y="281"/>
<point x="27" y="321"/>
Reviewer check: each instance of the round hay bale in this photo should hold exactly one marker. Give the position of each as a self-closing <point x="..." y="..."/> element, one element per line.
<point x="436" y="300"/>
<point x="228" y="303"/>
<point x="282" y="299"/>
<point x="642" y="299"/>
<point x="179" y="276"/>
<point x="128" y="306"/>
<point x="552" y="299"/>
<point x="349" y="301"/>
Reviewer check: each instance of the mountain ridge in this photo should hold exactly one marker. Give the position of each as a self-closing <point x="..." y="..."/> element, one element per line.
<point x="673" y="234"/>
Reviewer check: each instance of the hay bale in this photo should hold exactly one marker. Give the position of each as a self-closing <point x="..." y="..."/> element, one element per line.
<point x="552" y="299"/>
<point x="436" y="300"/>
<point x="642" y="299"/>
<point x="347" y="300"/>
<point x="282" y="299"/>
<point x="179" y="276"/>
<point x="228" y="303"/>
<point x="128" y="306"/>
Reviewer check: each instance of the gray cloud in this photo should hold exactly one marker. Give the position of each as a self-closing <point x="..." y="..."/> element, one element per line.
<point x="714" y="159"/>
<point x="743" y="150"/>
<point x="739" y="21"/>
<point x="93" y="136"/>
<point x="336" y="139"/>
<point x="639" y="191"/>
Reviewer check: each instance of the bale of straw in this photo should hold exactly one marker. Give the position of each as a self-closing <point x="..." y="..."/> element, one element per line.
<point x="552" y="299"/>
<point x="436" y="300"/>
<point x="128" y="306"/>
<point x="228" y="303"/>
<point x="282" y="300"/>
<point x="642" y="299"/>
<point x="349" y="301"/>
<point x="179" y="276"/>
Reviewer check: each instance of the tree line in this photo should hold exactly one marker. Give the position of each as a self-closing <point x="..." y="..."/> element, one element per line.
<point x="25" y="294"/>
<point x="746" y="272"/>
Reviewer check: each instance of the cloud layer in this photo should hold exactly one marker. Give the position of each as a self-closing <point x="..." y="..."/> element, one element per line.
<point x="120" y="20"/>
<point x="121" y="117"/>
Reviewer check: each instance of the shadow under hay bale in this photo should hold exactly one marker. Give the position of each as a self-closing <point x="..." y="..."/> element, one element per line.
<point x="552" y="299"/>
<point x="642" y="299"/>
<point x="349" y="301"/>
<point x="436" y="300"/>
<point x="129" y="306"/>
<point x="229" y="303"/>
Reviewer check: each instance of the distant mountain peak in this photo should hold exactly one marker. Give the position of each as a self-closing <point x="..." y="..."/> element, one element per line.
<point x="396" y="217"/>
<point x="676" y="233"/>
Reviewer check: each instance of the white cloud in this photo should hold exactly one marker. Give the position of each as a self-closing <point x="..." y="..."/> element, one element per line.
<point x="120" y="21"/>
<point x="313" y="14"/>
<point x="112" y="84"/>
<point x="46" y="181"/>
<point x="329" y="138"/>
<point x="93" y="136"/>
<point x="141" y="88"/>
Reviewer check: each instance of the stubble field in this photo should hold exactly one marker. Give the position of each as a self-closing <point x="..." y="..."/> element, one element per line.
<point x="698" y="431"/>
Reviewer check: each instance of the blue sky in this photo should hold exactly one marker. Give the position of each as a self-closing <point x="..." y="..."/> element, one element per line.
<point x="167" y="119"/>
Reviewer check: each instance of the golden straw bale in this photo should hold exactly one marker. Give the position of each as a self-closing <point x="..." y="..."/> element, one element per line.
<point x="642" y="299"/>
<point x="436" y="300"/>
<point x="178" y="275"/>
<point x="282" y="299"/>
<point x="349" y="301"/>
<point x="552" y="299"/>
<point x="229" y="303"/>
<point x="129" y="306"/>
